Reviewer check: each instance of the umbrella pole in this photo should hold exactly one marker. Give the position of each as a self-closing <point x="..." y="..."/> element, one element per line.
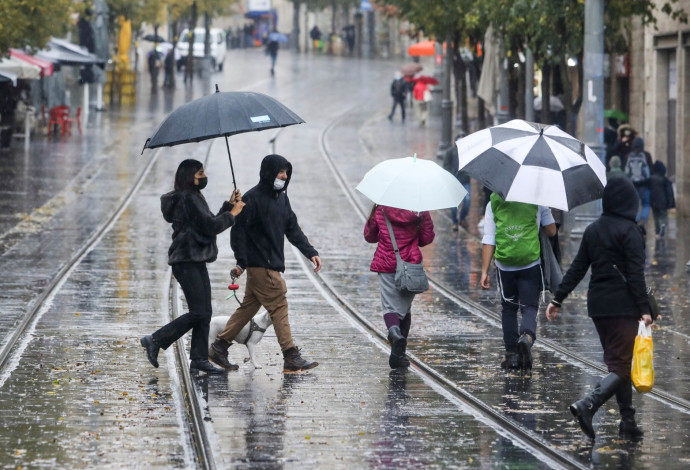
<point x="232" y="170"/>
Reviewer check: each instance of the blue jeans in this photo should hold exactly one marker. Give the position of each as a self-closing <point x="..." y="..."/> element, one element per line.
<point x="519" y="291"/>
<point x="644" y="193"/>
<point x="465" y="206"/>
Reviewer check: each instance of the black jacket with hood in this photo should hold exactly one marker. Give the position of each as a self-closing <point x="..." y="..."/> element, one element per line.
<point x="194" y="226"/>
<point x="614" y="247"/>
<point x="257" y="238"/>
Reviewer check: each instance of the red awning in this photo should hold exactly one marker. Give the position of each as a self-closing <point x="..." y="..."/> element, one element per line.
<point x="45" y="66"/>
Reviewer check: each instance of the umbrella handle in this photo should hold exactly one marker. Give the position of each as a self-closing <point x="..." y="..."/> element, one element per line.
<point x="232" y="170"/>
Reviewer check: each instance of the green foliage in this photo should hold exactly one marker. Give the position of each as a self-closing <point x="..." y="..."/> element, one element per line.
<point x="31" y="23"/>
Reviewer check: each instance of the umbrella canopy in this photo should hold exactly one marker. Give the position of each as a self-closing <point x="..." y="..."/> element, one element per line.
<point x="8" y="77"/>
<point x="153" y="38"/>
<point x="221" y="115"/>
<point x="411" y="69"/>
<point x="555" y="104"/>
<point x="533" y="163"/>
<point x="278" y="37"/>
<point x="616" y="114"/>
<point x="425" y="79"/>
<point x="413" y="184"/>
<point x="64" y="52"/>
<point x="422" y="48"/>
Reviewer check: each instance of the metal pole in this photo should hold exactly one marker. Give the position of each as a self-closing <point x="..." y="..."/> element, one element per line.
<point x="529" y="85"/>
<point x="503" y="98"/>
<point x="593" y="103"/>
<point x="446" y="104"/>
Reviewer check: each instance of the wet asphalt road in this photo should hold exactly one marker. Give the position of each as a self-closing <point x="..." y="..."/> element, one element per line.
<point x="80" y="392"/>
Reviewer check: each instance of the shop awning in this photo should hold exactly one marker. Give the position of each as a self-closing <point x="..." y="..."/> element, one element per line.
<point x="21" y="69"/>
<point x="8" y="77"/>
<point x="66" y="53"/>
<point x="45" y="66"/>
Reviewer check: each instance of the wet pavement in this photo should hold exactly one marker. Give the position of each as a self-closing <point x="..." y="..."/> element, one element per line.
<point x="78" y="392"/>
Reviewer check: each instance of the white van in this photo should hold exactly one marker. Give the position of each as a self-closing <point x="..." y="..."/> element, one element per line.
<point x="217" y="41"/>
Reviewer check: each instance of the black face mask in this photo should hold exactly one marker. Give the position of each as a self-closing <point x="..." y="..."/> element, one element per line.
<point x="202" y="182"/>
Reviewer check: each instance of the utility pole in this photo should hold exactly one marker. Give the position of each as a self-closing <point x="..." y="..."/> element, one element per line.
<point x="529" y="85"/>
<point x="593" y="103"/>
<point x="446" y="104"/>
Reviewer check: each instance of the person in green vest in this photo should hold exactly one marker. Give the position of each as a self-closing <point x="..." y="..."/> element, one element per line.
<point x="511" y="237"/>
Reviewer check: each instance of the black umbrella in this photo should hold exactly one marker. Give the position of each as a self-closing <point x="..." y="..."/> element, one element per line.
<point x="221" y="114"/>
<point x="153" y="38"/>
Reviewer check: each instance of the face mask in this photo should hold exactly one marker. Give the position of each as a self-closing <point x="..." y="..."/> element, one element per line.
<point x="202" y="182"/>
<point x="278" y="184"/>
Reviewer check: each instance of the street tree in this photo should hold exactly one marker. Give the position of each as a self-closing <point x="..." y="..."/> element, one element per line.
<point x="31" y="23"/>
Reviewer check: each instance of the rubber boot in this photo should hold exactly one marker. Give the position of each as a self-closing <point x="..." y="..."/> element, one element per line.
<point x="218" y="353"/>
<point x="293" y="361"/>
<point x="585" y="409"/>
<point x="398" y="344"/>
<point x="627" y="427"/>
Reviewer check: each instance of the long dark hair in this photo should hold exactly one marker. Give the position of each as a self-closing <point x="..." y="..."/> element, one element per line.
<point x="184" y="178"/>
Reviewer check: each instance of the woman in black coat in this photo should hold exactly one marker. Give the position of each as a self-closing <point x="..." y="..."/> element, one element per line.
<point x="193" y="245"/>
<point x="616" y="299"/>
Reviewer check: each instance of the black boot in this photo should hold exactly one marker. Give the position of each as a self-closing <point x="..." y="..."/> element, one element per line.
<point x="627" y="427"/>
<point x="511" y="361"/>
<point x="205" y="366"/>
<point x="524" y="350"/>
<point x="152" y="348"/>
<point x="398" y="345"/>
<point x="218" y="353"/>
<point x="293" y="361"/>
<point x="585" y="409"/>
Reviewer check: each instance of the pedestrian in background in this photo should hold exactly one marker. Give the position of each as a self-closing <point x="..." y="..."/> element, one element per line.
<point x="511" y="236"/>
<point x="398" y="92"/>
<point x="315" y="35"/>
<point x="258" y="238"/>
<point x="193" y="245"/>
<point x="613" y="246"/>
<point x="615" y="168"/>
<point x="411" y="230"/>
<point x="272" y="47"/>
<point x="637" y="169"/>
<point x="451" y="163"/>
<point x="154" y="65"/>
<point x="661" y="198"/>
<point x="623" y="146"/>
<point x="169" y="69"/>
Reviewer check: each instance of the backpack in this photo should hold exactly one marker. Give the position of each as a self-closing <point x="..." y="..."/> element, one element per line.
<point x="636" y="168"/>
<point x="399" y="88"/>
<point x="517" y="232"/>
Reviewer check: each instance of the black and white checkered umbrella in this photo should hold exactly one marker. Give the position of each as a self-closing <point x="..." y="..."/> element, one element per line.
<point x="533" y="163"/>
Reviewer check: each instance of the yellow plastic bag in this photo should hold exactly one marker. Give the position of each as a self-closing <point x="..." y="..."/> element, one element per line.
<point x="643" y="360"/>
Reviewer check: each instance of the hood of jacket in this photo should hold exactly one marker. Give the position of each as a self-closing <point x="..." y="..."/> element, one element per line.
<point x="615" y="162"/>
<point x="620" y="198"/>
<point x="400" y="216"/>
<point x="659" y="168"/>
<point x="270" y="167"/>
<point x="169" y="203"/>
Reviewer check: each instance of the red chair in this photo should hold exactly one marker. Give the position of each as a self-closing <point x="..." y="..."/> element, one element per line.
<point x="69" y="121"/>
<point x="57" y="117"/>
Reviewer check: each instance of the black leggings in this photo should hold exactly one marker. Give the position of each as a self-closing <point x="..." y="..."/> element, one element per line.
<point x="193" y="278"/>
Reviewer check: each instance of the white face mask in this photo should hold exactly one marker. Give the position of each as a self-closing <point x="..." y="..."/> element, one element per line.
<point x="278" y="184"/>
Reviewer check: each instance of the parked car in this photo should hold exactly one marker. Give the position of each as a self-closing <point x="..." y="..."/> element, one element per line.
<point x="217" y="41"/>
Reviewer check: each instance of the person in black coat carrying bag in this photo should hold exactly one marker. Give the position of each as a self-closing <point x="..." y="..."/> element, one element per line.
<point x="614" y="247"/>
<point x="193" y="245"/>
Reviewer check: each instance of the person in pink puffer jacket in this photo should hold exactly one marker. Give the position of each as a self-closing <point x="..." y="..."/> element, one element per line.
<point x="411" y="230"/>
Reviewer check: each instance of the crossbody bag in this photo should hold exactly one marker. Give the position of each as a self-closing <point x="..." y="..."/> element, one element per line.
<point x="409" y="277"/>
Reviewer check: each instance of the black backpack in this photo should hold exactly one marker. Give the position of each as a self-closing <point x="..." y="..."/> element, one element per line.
<point x="399" y="88"/>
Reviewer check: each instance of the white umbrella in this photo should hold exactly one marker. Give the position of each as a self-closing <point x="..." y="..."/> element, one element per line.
<point x="413" y="184"/>
<point x="20" y="68"/>
<point x="533" y="163"/>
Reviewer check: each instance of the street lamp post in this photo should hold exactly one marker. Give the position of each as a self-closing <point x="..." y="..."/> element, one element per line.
<point x="447" y="103"/>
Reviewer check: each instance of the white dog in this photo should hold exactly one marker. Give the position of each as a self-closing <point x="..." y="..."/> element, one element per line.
<point x="249" y="335"/>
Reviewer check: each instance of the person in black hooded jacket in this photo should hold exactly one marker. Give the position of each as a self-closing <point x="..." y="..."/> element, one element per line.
<point x="617" y="301"/>
<point x="257" y="239"/>
<point x="193" y="245"/>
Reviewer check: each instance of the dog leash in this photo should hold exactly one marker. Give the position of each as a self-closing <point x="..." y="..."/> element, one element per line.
<point x="233" y="287"/>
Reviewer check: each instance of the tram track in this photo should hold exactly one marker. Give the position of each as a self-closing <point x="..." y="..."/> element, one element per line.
<point x="478" y="311"/>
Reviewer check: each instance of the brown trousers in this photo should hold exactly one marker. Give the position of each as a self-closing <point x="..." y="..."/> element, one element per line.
<point x="264" y="287"/>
